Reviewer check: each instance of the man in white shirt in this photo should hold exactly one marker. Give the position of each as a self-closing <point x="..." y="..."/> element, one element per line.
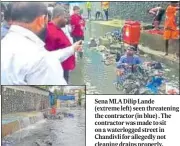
<point x="24" y="60"/>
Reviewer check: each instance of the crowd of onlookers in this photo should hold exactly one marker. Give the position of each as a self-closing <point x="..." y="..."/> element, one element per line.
<point x="39" y="42"/>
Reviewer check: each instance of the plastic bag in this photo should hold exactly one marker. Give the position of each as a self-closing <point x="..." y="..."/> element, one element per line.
<point x="155" y="84"/>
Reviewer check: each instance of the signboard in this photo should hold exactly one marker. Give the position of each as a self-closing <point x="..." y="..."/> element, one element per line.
<point x="65" y="97"/>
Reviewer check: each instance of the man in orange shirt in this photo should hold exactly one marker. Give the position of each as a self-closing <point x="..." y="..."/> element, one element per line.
<point x="170" y="26"/>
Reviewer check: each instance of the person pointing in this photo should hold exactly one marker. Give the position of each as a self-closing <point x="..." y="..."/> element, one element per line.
<point x="24" y="60"/>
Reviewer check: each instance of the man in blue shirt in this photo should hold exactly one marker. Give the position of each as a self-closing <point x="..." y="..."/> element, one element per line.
<point x="7" y="21"/>
<point x="127" y="63"/>
<point x="129" y="60"/>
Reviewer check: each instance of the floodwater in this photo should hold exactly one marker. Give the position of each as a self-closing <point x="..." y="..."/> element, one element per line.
<point x="69" y="131"/>
<point x="91" y="70"/>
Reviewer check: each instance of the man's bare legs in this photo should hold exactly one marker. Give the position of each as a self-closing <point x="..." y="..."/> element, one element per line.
<point x="166" y="47"/>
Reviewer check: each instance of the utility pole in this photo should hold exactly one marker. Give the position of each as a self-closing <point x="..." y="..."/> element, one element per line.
<point x="62" y="89"/>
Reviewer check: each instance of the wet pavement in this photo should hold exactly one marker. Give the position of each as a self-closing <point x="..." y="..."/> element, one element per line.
<point x="69" y="131"/>
<point x="98" y="77"/>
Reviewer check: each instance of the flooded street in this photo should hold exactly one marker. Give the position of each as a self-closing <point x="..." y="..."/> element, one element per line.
<point x="91" y="70"/>
<point x="98" y="77"/>
<point x="69" y="131"/>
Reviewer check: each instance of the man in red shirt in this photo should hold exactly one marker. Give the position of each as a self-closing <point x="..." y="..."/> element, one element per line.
<point x="77" y="26"/>
<point x="57" y="39"/>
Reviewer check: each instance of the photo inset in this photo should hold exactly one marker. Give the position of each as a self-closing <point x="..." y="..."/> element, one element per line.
<point x="43" y="115"/>
<point x="111" y="47"/>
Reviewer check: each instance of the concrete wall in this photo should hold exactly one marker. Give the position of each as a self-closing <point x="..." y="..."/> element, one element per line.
<point x="10" y="128"/>
<point x="23" y="99"/>
<point x="16" y="125"/>
<point x="128" y="10"/>
<point x="31" y="89"/>
<point x="133" y="10"/>
<point x="156" y="42"/>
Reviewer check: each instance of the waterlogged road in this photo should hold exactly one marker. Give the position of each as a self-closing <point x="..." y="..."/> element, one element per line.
<point x="65" y="132"/>
<point x="91" y="70"/>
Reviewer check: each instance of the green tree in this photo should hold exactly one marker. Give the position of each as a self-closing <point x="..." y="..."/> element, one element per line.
<point x="80" y="97"/>
<point x="58" y="93"/>
<point x="44" y="87"/>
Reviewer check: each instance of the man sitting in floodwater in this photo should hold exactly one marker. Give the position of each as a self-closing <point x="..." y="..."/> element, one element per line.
<point x="128" y="61"/>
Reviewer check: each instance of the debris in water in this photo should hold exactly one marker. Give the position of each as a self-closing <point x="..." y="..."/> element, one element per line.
<point x="118" y="56"/>
<point x="40" y="142"/>
<point x="101" y="48"/>
<point x="156" y="65"/>
<point x="145" y="80"/>
<point x="92" y="43"/>
<point x="171" y="89"/>
<point x="7" y="143"/>
<point x="154" y="84"/>
<point x="173" y="76"/>
<point x="59" y="116"/>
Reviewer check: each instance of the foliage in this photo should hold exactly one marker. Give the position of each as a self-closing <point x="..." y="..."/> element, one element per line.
<point x="80" y="97"/>
<point x="80" y="93"/>
<point x="58" y="93"/>
<point x="44" y="87"/>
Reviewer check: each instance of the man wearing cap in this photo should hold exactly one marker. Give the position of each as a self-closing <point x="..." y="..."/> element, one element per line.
<point x="129" y="59"/>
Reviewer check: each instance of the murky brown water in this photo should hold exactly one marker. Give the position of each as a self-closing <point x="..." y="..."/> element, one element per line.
<point x="66" y="132"/>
